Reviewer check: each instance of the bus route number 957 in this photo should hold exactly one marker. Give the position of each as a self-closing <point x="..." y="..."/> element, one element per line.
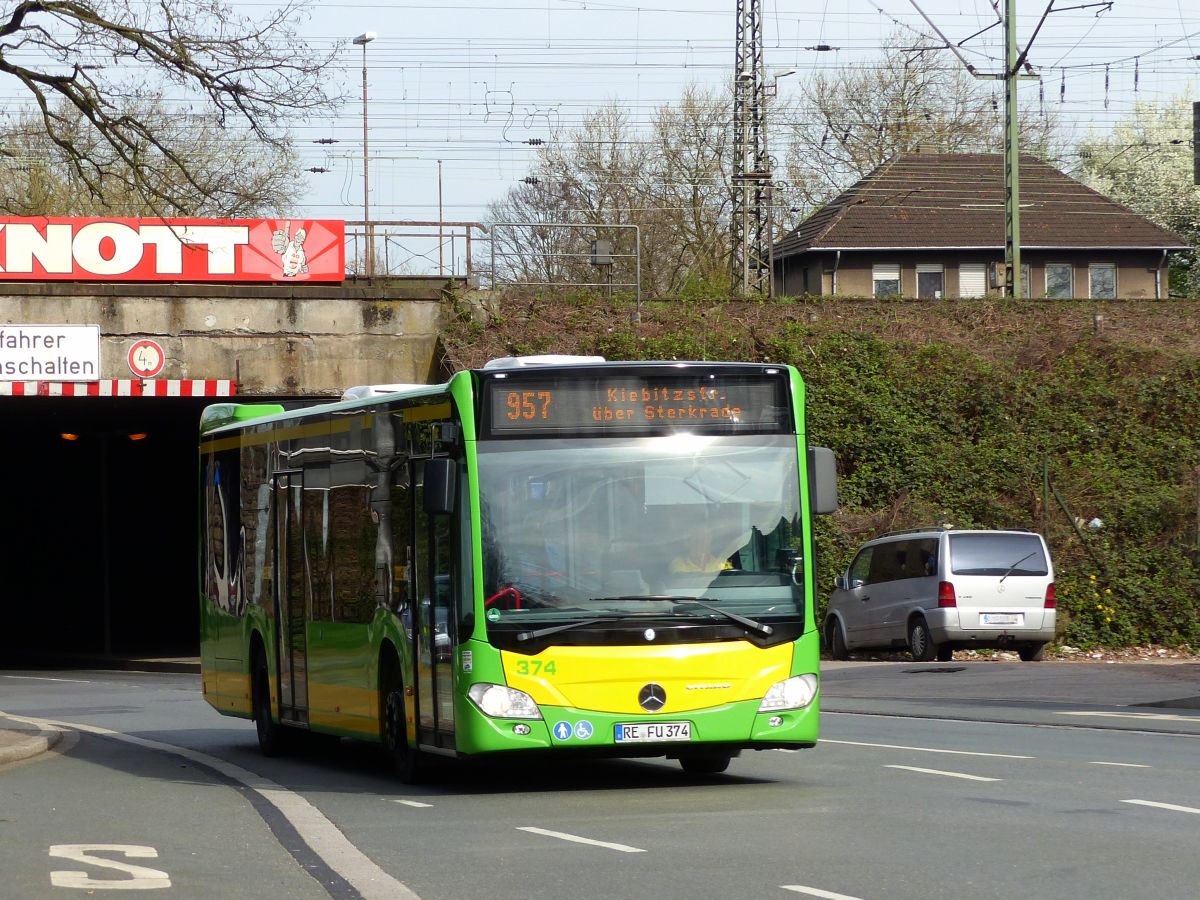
<point x="528" y="404"/>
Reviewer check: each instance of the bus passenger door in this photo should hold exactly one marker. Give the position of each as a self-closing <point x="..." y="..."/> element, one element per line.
<point x="291" y="597"/>
<point x="433" y="634"/>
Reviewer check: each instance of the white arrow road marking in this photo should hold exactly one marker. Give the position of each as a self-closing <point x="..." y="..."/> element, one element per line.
<point x="1170" y="806"/>
<point x="1163" y="717"/>
<point x="816" y="892"/>
<point x="1096" y="762"/>
<point x="947" y="774"/>
<point x="928" y="749"/>
<point x="562" y="835"/>
<point x="321" y="835"/>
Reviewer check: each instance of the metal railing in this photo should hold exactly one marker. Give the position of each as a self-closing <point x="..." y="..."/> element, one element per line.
<point x="516" y="267"/>
<point x="412" y="247"/>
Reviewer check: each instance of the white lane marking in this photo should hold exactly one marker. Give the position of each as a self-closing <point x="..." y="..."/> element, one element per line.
<point x="417" y="803"/>
<point x="1170" y="806"/>
<point x="816" y="892"/>
<point x="46" y="678"/>
<point x="321" y="835"/>
<point x="1153" y="717"/>
<point x="1096" y="762"/>
<point x="561" y="835"/>
<point x="947" y="774"/>
<point x="927" y="749"/>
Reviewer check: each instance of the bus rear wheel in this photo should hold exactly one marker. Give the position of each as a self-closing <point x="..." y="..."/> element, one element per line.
<point x="272" y="737"/>
<point x="405" y="759"/>
<point x="705" y="765"/>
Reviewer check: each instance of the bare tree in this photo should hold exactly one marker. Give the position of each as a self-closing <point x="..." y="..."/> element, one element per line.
<point x="95" y="69"/>
<point x="670" y="179"/>
<point x="846" y="124"/>
<point x="235" y="177"/>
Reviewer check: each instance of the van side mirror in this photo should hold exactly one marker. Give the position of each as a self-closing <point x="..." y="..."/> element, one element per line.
<point x="822" y="480"/>
<point x="840" y="583"/>
<point x="438" y="493"/>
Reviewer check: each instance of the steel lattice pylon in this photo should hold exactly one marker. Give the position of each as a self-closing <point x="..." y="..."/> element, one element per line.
<point x="750" y="216"/>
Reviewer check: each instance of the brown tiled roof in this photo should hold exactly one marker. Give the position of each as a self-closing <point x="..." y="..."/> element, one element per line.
<point x="957" y="200"/>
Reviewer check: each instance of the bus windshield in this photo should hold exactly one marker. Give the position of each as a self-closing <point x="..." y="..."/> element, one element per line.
<point x="608" y="529"/>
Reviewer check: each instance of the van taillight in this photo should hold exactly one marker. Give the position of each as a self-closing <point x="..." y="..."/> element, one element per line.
<point x="1051" y="600"/>
<point x="946" y="598"/>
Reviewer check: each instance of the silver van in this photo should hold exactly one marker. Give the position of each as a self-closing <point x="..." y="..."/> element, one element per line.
<point x="935" y="591"/>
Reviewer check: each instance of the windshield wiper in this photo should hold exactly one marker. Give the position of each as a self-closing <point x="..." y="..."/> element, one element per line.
<point x="754" y="625"/>
<point x="760" y="627"/>
<point x="1014" y="566"/>
<point x="555" y="629"/>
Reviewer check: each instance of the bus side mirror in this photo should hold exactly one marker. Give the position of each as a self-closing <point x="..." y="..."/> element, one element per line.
<point x="822" y="480"/>
<point x="438" y="495"/>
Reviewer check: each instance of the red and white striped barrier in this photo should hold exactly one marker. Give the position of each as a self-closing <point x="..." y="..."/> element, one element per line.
<point x="121" y="387"/>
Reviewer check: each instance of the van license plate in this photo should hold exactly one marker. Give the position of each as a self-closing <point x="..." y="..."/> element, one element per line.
<point x="640" y="732"/>
<point x="1002" y="618"/>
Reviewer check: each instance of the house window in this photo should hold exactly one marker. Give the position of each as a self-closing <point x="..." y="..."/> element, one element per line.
<point x="972" y="280"/>
<point x="1102" y="281"/>
<point x="886" y="280"/>
<point x="1060" y="281"/>
<point x="931" y="282"/>
<point x="1026" y="282"/>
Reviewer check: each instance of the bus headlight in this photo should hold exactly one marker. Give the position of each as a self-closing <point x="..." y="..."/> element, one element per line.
<point x="794" y="693"/>
<point x="502" y="702"/>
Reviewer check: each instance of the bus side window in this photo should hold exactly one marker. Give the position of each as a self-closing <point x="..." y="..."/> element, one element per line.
<point x="401" y="520"/>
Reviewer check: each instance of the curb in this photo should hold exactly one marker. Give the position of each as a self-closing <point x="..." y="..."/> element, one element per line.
<point x="18" y="745"/>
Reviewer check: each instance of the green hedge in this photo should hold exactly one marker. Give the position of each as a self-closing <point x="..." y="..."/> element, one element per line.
<point x="932" y="433"/>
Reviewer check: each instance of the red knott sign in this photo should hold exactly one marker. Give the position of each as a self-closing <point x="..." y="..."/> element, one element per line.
<point x="79" y="249"/>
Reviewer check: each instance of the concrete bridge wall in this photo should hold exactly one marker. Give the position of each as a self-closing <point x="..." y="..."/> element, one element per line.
<point x="270" y="339"/>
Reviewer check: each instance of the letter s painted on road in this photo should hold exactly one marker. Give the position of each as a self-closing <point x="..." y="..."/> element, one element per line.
<point x="140" y="877"/>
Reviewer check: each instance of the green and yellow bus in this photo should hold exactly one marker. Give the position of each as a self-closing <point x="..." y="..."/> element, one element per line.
<point x="555" y="554"/>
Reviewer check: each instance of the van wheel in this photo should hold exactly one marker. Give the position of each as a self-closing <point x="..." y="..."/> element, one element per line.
<point x="920" y="641"/>
<point x="272" y="737"/>
<point x="1031" y="652"/>
<point x="704" y="765"/>
<point x="835" y="640"/>
<point x="394" y="730"/>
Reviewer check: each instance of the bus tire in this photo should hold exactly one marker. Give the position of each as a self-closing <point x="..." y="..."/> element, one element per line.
<point x="405" y="759"/>
<point x="920" y="641"/>
<point x="713" y="764"/>
<point x="836" y="640"/>
<point x="272" y="737"/>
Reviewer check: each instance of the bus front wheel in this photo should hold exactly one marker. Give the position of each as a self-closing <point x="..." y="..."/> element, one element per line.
<point x="271" y="737"/>
<point x="405" y="759"/>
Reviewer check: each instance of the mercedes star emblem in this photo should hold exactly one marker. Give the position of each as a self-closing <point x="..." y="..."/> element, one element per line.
<point x="652" y="698"/>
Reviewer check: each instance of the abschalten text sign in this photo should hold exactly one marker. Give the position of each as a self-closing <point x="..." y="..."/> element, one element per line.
<point x="49" y="352"/>
<point x="230" y="250"/>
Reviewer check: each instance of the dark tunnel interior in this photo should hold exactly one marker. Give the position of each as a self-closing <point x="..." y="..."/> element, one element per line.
<point x="98" y="526"/>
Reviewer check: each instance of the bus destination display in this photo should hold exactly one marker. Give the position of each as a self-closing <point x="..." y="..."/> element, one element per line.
<point x="621" y="402"/>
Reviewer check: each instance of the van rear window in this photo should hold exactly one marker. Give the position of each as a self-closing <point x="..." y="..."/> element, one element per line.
<point x="997" y="554"/>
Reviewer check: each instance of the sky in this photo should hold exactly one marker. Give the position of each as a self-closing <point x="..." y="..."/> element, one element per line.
<point x="470" y="82"/>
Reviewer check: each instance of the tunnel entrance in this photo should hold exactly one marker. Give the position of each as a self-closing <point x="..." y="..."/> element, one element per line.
<point x="98" y="526"/>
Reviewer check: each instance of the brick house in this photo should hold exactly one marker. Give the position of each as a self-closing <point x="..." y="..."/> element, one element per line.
<point x="929" y="225"/>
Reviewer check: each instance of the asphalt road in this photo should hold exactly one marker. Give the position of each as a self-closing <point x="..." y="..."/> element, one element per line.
<point x="931" y="780"/>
